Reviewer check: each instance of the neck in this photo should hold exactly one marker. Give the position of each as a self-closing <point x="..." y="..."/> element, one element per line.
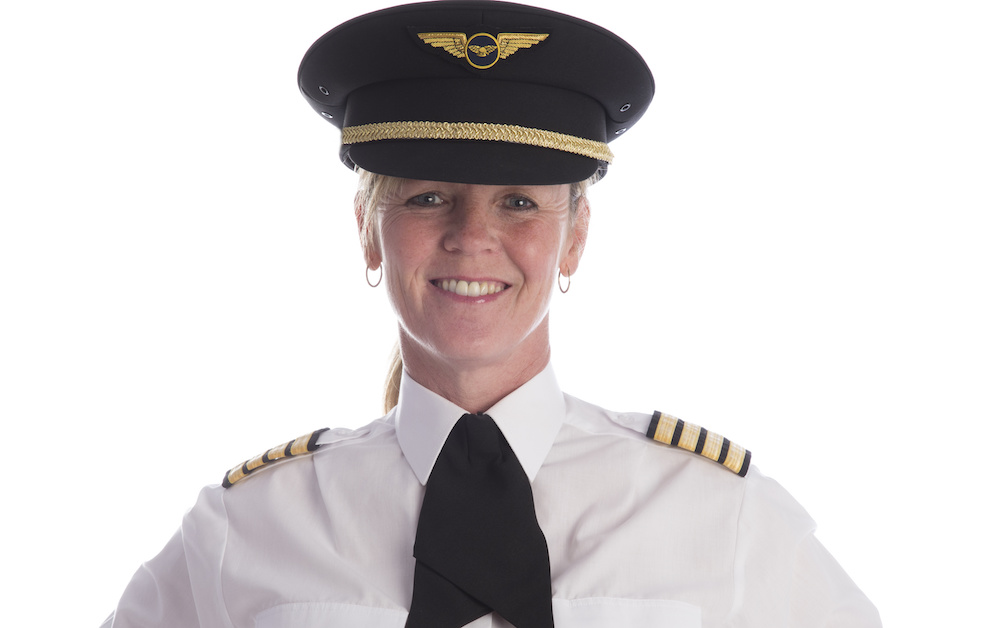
<point x="475" y="385"/>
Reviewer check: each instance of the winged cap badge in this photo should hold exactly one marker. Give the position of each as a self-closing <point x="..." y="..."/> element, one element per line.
<point x="482" y="50"/>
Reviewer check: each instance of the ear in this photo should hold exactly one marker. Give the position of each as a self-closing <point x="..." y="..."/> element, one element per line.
<point x="578" y="237"/>
<point x="368" y="234"/>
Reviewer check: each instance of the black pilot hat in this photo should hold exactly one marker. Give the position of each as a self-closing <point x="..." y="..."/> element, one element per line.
<point x="476" y="91"/>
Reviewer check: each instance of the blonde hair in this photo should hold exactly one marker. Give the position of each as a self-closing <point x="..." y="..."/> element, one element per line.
<point x="373" y="189"/>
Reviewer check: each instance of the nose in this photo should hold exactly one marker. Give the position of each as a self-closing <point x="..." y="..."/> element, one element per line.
<point x="471" y="228"/>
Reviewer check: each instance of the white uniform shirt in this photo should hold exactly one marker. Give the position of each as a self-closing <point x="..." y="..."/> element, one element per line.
<point x="639" y="534"/>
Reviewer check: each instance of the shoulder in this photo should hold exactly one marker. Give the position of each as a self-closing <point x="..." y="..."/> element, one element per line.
<point x="300" y="446"/>
<point x="305" y="447"/>
<point x="702" y="470"/>
<point x="669" y="430"/>
<point x="709" y="464"/>
<point x="662" y="430"/>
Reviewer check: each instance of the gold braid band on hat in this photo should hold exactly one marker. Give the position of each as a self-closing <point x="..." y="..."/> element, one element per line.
<point x="476" y="131"/>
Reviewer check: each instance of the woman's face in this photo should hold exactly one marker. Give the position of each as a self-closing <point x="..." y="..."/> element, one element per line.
<point x="469" y="268"/>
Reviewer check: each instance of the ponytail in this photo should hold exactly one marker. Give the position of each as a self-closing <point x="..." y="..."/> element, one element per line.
<point x="390" y="397"/>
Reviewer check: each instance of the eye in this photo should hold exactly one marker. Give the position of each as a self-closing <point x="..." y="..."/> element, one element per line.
<point x="426" y="199"/>
<point x="519" y="202"/>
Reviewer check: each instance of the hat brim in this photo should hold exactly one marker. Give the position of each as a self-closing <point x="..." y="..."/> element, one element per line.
<point x="467" y="161"/>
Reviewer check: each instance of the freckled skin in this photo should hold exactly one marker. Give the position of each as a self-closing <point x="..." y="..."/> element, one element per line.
<point x="475" y="349"/>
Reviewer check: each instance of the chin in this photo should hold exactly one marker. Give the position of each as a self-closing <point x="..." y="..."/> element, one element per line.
<point x="482" y="350"/>
<point x="472" y="343"/>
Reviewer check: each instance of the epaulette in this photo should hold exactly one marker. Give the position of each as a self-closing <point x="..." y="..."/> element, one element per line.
<point x="669" y="430"/>
<point x="297" y="447"/>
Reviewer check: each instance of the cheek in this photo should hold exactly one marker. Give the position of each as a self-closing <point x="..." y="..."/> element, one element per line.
<point x="401" y="256"/>
<point x="403" y="242"/>
<point x="538" y="251"/>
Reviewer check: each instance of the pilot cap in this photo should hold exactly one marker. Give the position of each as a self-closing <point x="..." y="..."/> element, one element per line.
<point x="476" y="92"/>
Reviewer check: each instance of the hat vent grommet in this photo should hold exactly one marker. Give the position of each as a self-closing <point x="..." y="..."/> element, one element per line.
<point x="620" y="131"/>
<point x="324" y="91"/>
<point x="625" y="107"/>
<point x="326" y="115"/>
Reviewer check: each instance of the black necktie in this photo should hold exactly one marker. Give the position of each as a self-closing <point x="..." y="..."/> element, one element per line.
<point x="478" y="546"/>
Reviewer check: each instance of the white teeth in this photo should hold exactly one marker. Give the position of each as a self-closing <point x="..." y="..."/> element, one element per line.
<point x="470" y="288"/>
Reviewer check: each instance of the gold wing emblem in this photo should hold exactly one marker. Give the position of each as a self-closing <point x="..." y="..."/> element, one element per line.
<point x="512" y="42"/>
<point x="482" y="51"/>
<point x="452" y="42"/>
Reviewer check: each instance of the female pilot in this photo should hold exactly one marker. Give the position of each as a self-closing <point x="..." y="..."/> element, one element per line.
<point x="486" y="496"/>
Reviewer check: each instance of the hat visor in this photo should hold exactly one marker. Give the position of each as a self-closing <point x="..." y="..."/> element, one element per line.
<point x="471" y="161"/>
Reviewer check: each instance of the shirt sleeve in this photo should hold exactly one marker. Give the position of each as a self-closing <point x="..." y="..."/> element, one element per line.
<point x="181" y="586"/>
<point x="784" y="575"/>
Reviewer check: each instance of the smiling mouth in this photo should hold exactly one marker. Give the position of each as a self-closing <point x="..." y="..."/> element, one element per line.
<point x="470" y="288"/>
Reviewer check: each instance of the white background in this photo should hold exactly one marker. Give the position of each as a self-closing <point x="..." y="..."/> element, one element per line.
<point x="796" y="247"/>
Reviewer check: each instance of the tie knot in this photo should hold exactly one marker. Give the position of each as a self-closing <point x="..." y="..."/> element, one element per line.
<point x="483" y="439"/>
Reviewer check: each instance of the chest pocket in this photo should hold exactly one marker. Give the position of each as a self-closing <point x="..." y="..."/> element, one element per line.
<point x="606" y="612"/>
<point x="580" y="613"/>
<point x="329" y="615"/>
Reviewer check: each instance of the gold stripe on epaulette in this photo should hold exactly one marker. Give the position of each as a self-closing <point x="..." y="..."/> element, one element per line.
<point x="672" y="431"/>
<point x="277" y="453"/>
<point x="738" y="460"/>
<point x="297" y="447"/>
<point x="476" y="131"/>
<point x="713" y="446"/>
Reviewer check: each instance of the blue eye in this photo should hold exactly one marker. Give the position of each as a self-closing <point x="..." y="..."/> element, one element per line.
<point x="520" y="202"/>
<point x="427" y="199"/>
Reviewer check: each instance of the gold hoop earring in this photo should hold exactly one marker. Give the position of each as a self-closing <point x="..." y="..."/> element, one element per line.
<point x="568" y="282"/>
<point x="369" y="279"/>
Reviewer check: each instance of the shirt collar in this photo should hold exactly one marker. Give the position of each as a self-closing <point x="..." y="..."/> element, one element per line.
<point x="529" y="417"/>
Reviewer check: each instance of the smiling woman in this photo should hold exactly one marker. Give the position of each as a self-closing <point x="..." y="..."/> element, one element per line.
<point x="469" y="271"/>
<point x="486" y="496"/>
<point x="376" y="192"/>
